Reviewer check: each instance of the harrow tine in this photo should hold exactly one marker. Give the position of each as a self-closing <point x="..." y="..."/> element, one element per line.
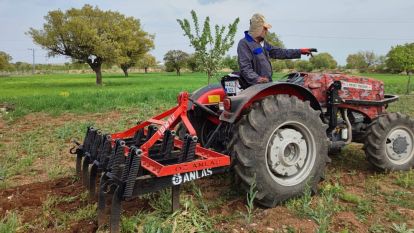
<point x="79" y="164"/>
<point x="188" y="149"/>
<point x="102" y="201"/>
<point x="151" y="131"/>
<point x="92" y="180"/>
<point x="116" y="208"/>
<point x="85" y="169"/>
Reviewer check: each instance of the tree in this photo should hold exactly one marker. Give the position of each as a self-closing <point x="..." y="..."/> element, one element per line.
<point x="323" y="61"/>
<point x="274" y="40"/>
<point x="5" y="60"/>
<point x="380" y="64"/>
<point x="289" y="64"/>
<point x="278" y="65"/>
<point x="303" y="66"/>
<point x="22" y="67"/>
<point x="362" y="60"/>
<point x="231" y="62"/>
<point x="146" y="62"/>
<point x="356" y="61"/>
<point x="209" y="50"/>
<point x="88" y="35"/>
<point x="175" y="60"/>
<point x="401" y="59"/>
<point x="134" y="44"/>
<point x="192" y="63"/>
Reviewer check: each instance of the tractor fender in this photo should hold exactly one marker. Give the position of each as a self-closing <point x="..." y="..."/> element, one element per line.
<point x="202" y="94"/>
<point x="260" y="91"/>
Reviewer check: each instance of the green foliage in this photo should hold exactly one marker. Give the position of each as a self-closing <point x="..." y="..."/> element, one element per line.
<point x="9" y="223"/>
<point x="209" y="49"/>
<point x="401" y="228"/>
<point x="274" y="40"/>
<point x="90" y="35"/>
<point x="363" y="207"/>
<point x="146" y="61"/>
<point x="401" y="59"/>
<point x="175" y="60"/>
<point x="231" y="63"/>
<point x="363" y="61"/>
<point x="322" y="211"/>
<point x="250" y="196"/>
<point x="303" y="66"/>
<point x="278" y="65"/>
<point x="289" y="64"/>
<point x="356" y="61"/>
<point x="405" y="179"/>
<point x="323" y="61"/>
<point x="190" y="218"/>
<point x="134" y="44"/>
<point x="4" y="60"/>
<point x="192" y="63"/>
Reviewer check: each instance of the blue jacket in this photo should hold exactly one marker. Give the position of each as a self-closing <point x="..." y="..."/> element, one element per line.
<point x="254" y="60"/>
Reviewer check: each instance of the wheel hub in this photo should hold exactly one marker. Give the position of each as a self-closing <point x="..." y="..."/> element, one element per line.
<point x="399" y="145"/>
<point x="287" y="153"/>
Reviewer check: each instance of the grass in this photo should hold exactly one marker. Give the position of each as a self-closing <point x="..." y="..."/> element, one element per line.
<point x="192" y="216"/>
<point x="405" y="179"/>
<point x="59" y="219"/>
<point x="9" y="223"/>
<point x="56" y="94"/>
<point x="321" y="209"/>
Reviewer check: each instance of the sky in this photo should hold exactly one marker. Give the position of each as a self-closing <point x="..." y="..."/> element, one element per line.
<point x="337" y="27"/>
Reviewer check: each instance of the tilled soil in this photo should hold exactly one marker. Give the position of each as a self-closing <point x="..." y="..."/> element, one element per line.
<point x="389" y="203"/>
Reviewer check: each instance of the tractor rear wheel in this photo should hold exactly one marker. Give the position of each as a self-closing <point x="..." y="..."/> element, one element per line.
<point x="280" y="145"/>
<point x="389" y="143"/>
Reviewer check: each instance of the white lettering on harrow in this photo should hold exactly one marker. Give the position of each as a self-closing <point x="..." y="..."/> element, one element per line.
<point x="178" y="179"/>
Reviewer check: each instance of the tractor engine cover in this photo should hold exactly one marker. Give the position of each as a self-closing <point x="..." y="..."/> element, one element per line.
<point x="353" y="88"/>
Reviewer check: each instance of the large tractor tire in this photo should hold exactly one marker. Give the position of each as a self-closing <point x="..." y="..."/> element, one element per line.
<point x="281" y="145"/>
<point x="389" y="143"/>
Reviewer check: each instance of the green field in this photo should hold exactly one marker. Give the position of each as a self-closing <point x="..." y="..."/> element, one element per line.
<point x="77" y="93"/>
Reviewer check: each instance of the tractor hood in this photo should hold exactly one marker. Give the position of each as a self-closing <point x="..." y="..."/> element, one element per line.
<point x="352" y="87"/>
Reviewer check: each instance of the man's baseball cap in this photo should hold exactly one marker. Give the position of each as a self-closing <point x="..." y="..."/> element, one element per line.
<point x="259" y="20"/>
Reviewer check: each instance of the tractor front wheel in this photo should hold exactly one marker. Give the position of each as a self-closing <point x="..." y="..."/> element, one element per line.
<point x="389" y="143"/>
<point x="280" y="145"/>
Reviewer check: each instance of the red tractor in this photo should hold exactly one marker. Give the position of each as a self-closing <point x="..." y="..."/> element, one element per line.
<point x="276" y="135"/>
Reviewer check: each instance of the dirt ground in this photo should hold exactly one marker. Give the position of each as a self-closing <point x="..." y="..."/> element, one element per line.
<point x="49" y="201"/>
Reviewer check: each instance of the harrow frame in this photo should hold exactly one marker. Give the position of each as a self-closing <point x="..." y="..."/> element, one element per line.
<point x="144" y="159"/>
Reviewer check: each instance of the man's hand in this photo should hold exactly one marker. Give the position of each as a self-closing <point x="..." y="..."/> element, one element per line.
<point x="307" y="51"/>
<point x="262" y="80"/>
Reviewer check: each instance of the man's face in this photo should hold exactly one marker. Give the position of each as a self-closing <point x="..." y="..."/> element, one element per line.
<point x="264" y="32"/>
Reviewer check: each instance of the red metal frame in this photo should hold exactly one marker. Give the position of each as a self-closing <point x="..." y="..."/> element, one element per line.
<point x="205" y="158"/>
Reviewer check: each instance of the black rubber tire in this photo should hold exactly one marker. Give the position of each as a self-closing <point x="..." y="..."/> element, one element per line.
<point x="376" y="141"/>
<point x="249" y="146"/>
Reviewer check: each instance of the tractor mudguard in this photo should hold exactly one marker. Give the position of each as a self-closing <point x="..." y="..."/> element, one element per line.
<point x="211" y="94"/>
<point x="259" y="91"/>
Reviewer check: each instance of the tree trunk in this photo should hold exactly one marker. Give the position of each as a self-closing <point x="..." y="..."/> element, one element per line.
<point x="208" y="77"/>
<point x="98" y="75"/>
<point x="178" y="72"/>
<point x="96" y="65"/>
<point x="408" y="83"/>
<point x="125" y="69"/>
<point x="146" y="69"/>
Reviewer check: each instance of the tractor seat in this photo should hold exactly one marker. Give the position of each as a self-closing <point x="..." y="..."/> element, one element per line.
<point x="233" y="83"/>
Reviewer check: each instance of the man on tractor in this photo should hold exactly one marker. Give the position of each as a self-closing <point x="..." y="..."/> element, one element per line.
<point x="254" y="52"/>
